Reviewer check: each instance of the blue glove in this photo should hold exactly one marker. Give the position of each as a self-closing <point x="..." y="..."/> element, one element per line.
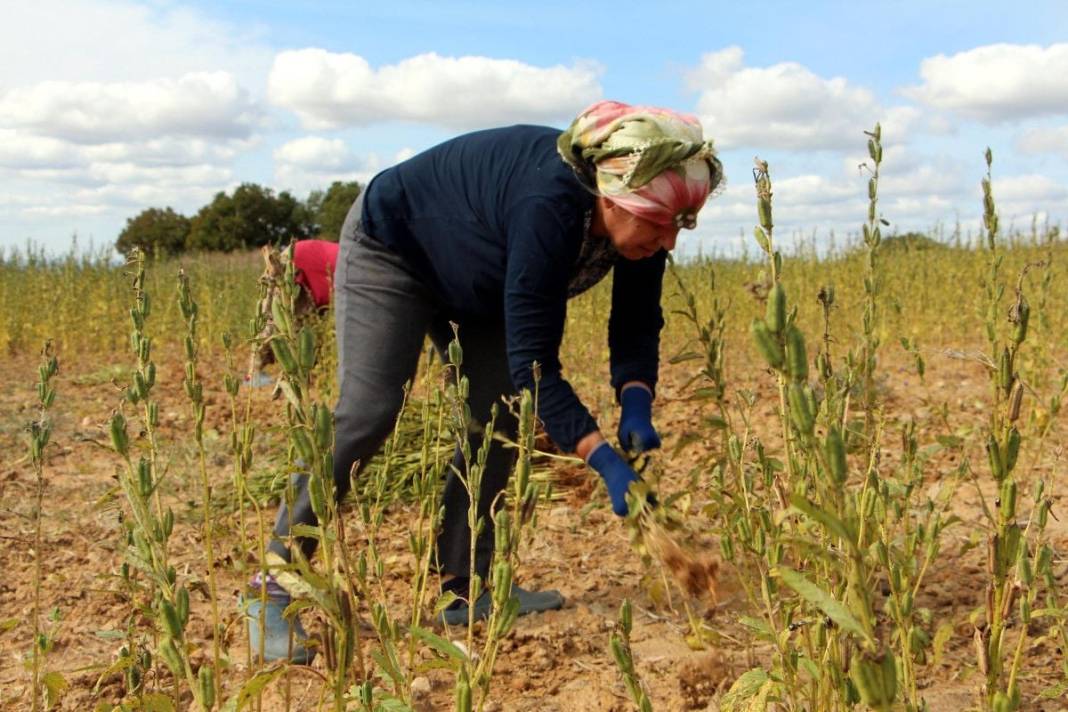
<point x="615" y="472"/>
<point x="636" y="431"/>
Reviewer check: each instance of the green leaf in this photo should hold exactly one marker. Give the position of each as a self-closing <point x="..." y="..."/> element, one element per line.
<point x="9" y="625"/>
<point x="941" y="637"/>
<point x="253" y="688"/>
<point x="744" y="688"/>
<point x="834" y="525"/>
<point x="759" y="627"/>
<point x="809" y="666"/>
<point x="157" y="702"/>
<point x="822" y="600"/>
<point x="55" y="685"/>
<point x="110" y="634"/>
<point x="686" y="356"/>
<point x="438" y="643"/>
<point x="1056" y="692"/>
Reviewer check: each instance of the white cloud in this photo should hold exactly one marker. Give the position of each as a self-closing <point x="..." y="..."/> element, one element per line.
<point x="203" y="104"/>
<point x="313" y="163"/>
<point x="314" y="152"/>
<point x="329" y="90"/>
<point x="1044" y="140"/>
<point x="785" y="106"/>
<point x="998" y="82"/>
<point x="122" y="40"/>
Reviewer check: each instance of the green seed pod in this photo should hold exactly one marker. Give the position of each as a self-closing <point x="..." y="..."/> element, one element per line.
<point x="456" y="353"/>
<point x="866" y="676"/>
<point x="767" y="344"/>
<point x="324" y="428"/>
<point x="626" y="617"/>
<point x="232" y="384"/>
<point x="619" y="653"/>
<point x="1025" y="610"/>
<point x="775" y="312"/>
<point x="317" y="496"/>
<point x="1021" y="314"/>
<point x="140" y="387"/>
<point x="804" y="418"/>
<point x="1023" y="568"/>
<point x="762" y="238"/>
<point x="764" y="213"/>
<point x="206" y="682"/>
<point x="1005" y="376"/>
<point x="1012" y="449"/>
<point x="796" y="358"/>
<point x="168" y="522"/>
<point x="502" y="532"/>
<point x="144" y="477"/>
<point x="169" y="653"/>
<point x="1001" y="703"/>
<point x="181" y="597"/>
<point x="836" y="456"/>
<point x="284" y="356"/>
<point x="463" y="694"/>
<point x="281" y="317"/>
<point x="303" y="443"/>
<point x="172" y="622"/>
<point x="726" y="547"/>
<point x="993" y="451"/>
<point x="306" y="346"/>
<point x="153" y="414"/>
<point x="502" y="581"/>
<point x="1008" y="498"/>
<point x="823" y="365"/>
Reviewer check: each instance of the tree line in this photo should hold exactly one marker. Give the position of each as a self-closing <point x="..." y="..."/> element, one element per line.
<point x="251" y="216"/>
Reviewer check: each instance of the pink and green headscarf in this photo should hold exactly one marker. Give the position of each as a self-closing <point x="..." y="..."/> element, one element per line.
<point x="653" y="162"/>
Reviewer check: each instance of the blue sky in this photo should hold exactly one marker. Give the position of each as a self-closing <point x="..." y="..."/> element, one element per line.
<point x="110" y="106"/>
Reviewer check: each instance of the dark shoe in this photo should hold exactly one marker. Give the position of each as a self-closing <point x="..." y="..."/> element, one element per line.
<point x="276" y="631"/>
<point x="529" y="602"/>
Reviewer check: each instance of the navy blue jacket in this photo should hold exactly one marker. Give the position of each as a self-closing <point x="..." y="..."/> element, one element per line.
<point x="493" y="222"/>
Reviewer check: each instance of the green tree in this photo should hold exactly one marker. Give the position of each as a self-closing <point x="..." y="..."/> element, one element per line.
<point x="329" y="208"/>
<point x="156" y="231"/>
<point x="252" y="216"/>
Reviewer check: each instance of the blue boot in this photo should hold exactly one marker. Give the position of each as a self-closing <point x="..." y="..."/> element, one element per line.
<point x="276" y="629"/>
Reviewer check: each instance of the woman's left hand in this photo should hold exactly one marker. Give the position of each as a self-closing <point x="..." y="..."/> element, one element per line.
<point x="636" y="431"/>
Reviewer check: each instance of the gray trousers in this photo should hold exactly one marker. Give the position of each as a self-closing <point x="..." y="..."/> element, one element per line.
<point x="383" y="314"/>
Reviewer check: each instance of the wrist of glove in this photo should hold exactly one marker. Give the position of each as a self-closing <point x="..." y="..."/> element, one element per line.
<point x="615" y="472"/>
<point x="636" y="431"/>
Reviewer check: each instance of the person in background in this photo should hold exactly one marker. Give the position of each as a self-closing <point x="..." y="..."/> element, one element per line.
<point x="314" y="261"/>
<point x="495" y="231"/>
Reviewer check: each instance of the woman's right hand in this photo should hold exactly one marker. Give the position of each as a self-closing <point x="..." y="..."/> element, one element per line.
<point x="615" y="472"/>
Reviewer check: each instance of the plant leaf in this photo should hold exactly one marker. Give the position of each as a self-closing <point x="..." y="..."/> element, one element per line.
<point x="819" y="598"/>
<point x="831" y="523"/>
<point x="438" y="643"/>
<point x="744" y="688"/>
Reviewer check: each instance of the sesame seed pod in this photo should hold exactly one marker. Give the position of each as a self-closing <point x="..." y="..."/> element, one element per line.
<point x="767" y="344"/>
<point x="281" y="317"/>
<point x="775" y="314"/>
<point x="626" y="617"/>
<point x="169" y="653"/>
<point x="1012" y="449"/>
<point x="1023" y="315"/>
<point x="764" y="213"/>
<point x="1008" y="497"/>
<point x="306" y="349"/>
<point x="836" y="455"/>
<point x="1005" y="376"/>
<point x="182" y="605"/>
<point x="172" y="623"/>
<point x="796" y="358"/>
<point x="1023" y="569"/>
<point x="284" y="356"/>
<point x="1015" y="401"/>
<point x="993" y="451"/>
<point x="206" y="681"/>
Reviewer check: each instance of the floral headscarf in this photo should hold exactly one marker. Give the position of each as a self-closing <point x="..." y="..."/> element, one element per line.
<point x="653" y="162"/>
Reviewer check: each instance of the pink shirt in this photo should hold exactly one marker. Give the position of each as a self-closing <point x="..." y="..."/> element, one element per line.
<point x="315" y="261"/>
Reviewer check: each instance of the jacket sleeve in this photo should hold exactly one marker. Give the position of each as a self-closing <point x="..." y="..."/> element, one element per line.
<point x="542" y="245"/>
<point x="636" y="320"/>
